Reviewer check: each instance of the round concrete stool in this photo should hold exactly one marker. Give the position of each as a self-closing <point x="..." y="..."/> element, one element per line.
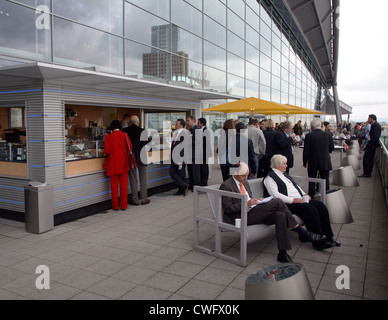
<point x="345" y="177"/>
<point x="355" y="153"/>
<point x="287" y="281"/>
<point x="339" y="211"/>
<point x="351" y="161"/>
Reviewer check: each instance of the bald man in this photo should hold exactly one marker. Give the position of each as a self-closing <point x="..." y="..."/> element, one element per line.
<point x="134" y="133"/>
<point x="273" y="212"/>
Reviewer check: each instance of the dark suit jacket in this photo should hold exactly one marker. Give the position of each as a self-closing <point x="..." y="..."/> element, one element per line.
<point x="232" y="206"/>
<point x="317" y="148"/>
<point x="283" y="145"/>
<point x="269" y="135"/>
<point x="184" y="135"/>
<point x="134" y="133"/>
<point x="248" y="158"/>
<point x="375" y="134"/>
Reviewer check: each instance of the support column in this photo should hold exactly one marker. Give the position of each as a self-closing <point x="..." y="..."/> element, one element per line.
<point x="337" y="106"/>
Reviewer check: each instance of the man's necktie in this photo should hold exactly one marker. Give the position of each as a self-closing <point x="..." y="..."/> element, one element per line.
<point x="242" y="189"/>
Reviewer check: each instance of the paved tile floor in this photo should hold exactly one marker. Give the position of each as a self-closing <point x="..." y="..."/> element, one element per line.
<point x="146" y="253"/>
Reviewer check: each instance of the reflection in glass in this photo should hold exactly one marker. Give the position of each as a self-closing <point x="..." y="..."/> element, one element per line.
<point x="214" y="32"/>
<point x="252" y="89"/>
<point x="253" y="37"/>
<point x="252" y="54"/>
<point x="252" y="72"/>
<point x="235" y="85"/>
<point x="215" y="10"/>
<point x="107" y="15"/>
<point x="158" y="7"/>
<point x="214" y="79"/>
<point x="19" y="35"/>
<point x="214" y="56"/>
<point x="236" y="65"/>
<point x="191" y="20"/>
<point x="189" y="44"/>
<point x="86" y="47"/>
<point x="235" y="44"/>
<point x="235" y="24"/>
<point x="148" y="29"/>
<point x="265" y="93"/>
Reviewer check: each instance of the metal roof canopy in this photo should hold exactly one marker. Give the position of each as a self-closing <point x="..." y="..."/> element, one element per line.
<point x="38" y="71"/>
<point x="316" y="20"/>
<point x="328" y="106"/>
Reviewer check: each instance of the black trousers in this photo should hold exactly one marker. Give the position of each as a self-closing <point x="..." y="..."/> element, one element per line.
<point x="315" y="216"/>
<point x="369" y="159"/>
<point x="194" y="174"/>
<point x="178" y="176"/>
<point x="204" y="174"/>
<point x="274" y="212"/>
<point x="323" y="174"/>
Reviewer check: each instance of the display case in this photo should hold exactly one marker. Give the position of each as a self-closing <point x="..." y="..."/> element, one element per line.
<point x="81" y="148"/>
<point x="14" y="152"/>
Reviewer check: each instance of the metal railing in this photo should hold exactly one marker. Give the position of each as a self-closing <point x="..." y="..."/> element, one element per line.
<point x="382" y="163"/>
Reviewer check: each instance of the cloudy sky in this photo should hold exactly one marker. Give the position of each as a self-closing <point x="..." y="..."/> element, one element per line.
<point x="363" y="60"/>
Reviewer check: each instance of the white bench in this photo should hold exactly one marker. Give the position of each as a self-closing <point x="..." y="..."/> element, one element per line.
<point x="248" y="234"/>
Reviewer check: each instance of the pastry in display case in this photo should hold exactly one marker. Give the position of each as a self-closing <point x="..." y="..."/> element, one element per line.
<point x="80" y="148"/>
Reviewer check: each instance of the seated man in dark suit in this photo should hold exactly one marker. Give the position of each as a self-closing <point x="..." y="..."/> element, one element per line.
<point x="314" y="214"/>
<point x="273" y="212"/>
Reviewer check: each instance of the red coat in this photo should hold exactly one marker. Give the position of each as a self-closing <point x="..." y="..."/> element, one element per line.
<point x="117" y="149"/>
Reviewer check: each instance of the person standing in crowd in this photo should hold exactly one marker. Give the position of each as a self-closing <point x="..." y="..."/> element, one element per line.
<point x="224" y="146"/>
<point x="258" y="140"/>
<point x="178" y="166"/>
<point x="269" y="134"/>
<point x="284" y="141"/>
<point x="314" y="213"/>
<point x="194" y="168"/>
<point x="316" y="155"/>
<point x="239" y="143"/>
<point x="298" y="130"/>
<point x="125" y="121"/>
<point x="134" y="133"/>
<point x="116" y="148"/>
<point x="373" y="144"/>
<point x="207" y="151"/>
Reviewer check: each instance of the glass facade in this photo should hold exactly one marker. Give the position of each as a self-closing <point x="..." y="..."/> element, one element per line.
<point x="228" y="46"/>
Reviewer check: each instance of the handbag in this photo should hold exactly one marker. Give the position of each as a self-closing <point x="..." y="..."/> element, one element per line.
<point x="131" y="157"/>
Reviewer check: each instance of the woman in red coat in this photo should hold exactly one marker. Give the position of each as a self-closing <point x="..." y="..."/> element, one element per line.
<point x="116" y="147"/>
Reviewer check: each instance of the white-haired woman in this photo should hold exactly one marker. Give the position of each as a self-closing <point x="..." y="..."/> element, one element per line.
<point x="315" y="215"/>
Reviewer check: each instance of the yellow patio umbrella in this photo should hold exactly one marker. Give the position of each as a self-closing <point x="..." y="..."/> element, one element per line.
<point x="252" y="106"/>
<point x="300" y="110"/>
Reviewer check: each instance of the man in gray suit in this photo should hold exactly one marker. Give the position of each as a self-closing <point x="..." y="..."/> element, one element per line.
<point x="258" y="140"/>
<point x="273" y="212"/>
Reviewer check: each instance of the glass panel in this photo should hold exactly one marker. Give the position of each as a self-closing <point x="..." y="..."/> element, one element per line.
<point x="235" y="24"/>
<point x="149" y="29"/>
<point x="107" y="15"/>
<point x="214" y="79"/>
<point x="252" y="89"/>
<point x="189" y="44"/>
<point x="265" y="30"/>
<point x="235" y="44"/>
<point x="276" y="42"/>
<point x="20" y="36"/>
<point x="265" y="47"/>
<point x="238" y="7"/>
<point x="276" y="68"/>
<point x="253" y="37"/>
<point x="252" y="54"/>
<point x="158" y="65"/>
<point x="136" y="55"/>
<point x="275" y="82"/>
<point x="214" y="56"/>
<point x="252" y="72"/>
<point x="265" y="93"/>
<point x="191" y="20"/>
<point x="236" y="65"/>
<point x="236" y="85"/>
<point x="158" y="7"/>
<point x="276" y="55"/>
<point x="214" y="32"/>
<point x="265" y="62"/>
<point x="265" y="77"/>
<point x="196" y="3"/>
<point x="264" y="15"/>
<point x="285" y="74"/>
<point x="86" y="47"/>
<point x="186" y="72"/>
<point x="253" y="19"/>
<point x="215" y="10"/>
<point x="275" y="97"/>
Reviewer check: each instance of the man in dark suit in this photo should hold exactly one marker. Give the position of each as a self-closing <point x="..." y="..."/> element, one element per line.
<point x="316" y="155"/>
<point x="194" y="168"/>
<point x="283" y="143"/>
<point x="207" y="151"/>
<point x="180" y="142"/>
<point x="273" y="212"/>
<point x="138" y="143"/>
<point x="373" y="144"/>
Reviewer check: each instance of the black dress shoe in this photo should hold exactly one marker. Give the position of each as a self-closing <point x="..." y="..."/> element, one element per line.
<point x="323" y="245"/>
<point x="179" y="193"/>
<point x="365" y="176"/>
<point x="284" y="258"/>
<point x="316" y="238"/>
<point x="334" y="242"/>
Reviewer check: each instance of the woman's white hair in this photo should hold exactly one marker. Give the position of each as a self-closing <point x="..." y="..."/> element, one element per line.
<point x="277" y="160"/>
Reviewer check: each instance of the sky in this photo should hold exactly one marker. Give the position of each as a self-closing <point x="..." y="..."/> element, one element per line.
<point x="363" y="58"/>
